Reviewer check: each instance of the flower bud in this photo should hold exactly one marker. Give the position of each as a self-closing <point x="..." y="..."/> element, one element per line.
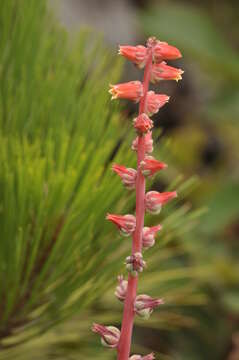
<point x="125" y="223"/>
<point x="144" y="305"/>
<point x="162" y="71"/>
<point x="139" y="357"/>
<point x="148" y="141"/>
<point x="154" y="102"/>
<point x="121" y="289"/>
<point x="143" y="123"/>
<point x="148" y="237"/>
<point x="154" y="200"/>
<point x="110" y="335"/>
<point x="136" y="54"/>
<point x="132" y="90"/>
<point x="164" y="51"/>
<point x="135" y="263"/>
<point x="149" y="166"/>
<point x="127" y="175"/>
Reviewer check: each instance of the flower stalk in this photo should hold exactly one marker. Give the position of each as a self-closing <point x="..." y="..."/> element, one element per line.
<point x="152" y="58"/>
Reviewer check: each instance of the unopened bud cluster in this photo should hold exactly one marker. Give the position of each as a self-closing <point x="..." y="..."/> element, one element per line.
<point x="135" y="263"/>
<point x="152" y="57"/>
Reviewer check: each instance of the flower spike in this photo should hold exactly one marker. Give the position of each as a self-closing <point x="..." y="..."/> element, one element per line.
<point x="151" y="57"/>
<point x="127" y="175"/>
<point x="110" y="335"/>
<point x="162" y="71"/>
<point x="144" y="305"/>
<point x="149" y="166"/>
<point x="148" y="237"/>
<point x="132" y="90"/>
<point x="154" y="102"/>
<point x="143" y="123"/>
<point x="136" y="54"/>
<point x="125" y="223"/>
<point x="154" y="200"/>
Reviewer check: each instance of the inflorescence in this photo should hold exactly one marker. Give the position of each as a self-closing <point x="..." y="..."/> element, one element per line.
<point x="151" y="57"/>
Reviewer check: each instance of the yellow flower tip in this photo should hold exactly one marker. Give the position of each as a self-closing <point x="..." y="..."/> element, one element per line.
<point x="112" y="92"/>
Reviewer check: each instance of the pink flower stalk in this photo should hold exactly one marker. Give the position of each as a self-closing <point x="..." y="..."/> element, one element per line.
<point x="151" y="57"/>
<point x="125" y="223"/>
<point x="148" y="143"/>
<point x="132" y="90"/>
<point x="139" y="357"/>
<point x="127" y="175"/>
<point x="136" y="54"/>
<point x="155" y="200"/>
<point x="154" y="102"/>
<point x="121" y="289"/>
<point x="110" y="335"/>
<point x="143" y="123"/>
<point x="164" y="51"/>
<point x="149" y="166"/>
<point x="162" y="71"/>
<point x="144" y="305"/>
<point x="148" y="236"/>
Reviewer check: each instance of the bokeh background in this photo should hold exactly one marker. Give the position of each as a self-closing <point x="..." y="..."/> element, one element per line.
<point x="59" y="134"/>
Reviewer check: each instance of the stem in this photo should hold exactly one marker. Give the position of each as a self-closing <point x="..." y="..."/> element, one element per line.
<point x="128" y="315"/>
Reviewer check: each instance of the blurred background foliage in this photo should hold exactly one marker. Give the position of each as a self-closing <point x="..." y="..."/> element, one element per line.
<point x="59" y="134"/>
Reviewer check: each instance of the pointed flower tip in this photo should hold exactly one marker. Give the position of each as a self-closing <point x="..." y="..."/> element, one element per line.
<point x="155" y="101"/>
<point x="162" y="71"/>
<point x="148" y="236"/>
<point x="127" y="175"/>
<point x="135" y="54"/>
<point x="155" y="200"/>
<point x="145" y="304"/>
<point x="150" y="166"/>
<point x="110" y="335"/>
<point x="125" y="223"/>
<point x="132" y="90"/>
<point x="163" y="51"/>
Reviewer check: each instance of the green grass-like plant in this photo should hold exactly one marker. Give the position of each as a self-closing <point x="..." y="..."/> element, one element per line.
<point x="59" y="135"/>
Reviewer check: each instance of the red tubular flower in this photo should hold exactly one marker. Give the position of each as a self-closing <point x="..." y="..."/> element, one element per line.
<point x="148" y="236"/>
<point x="154" y="200"/>
<point x="164" y="51"/>
<point x="149" y="166"/>
<point x="121" y="289"/>
<point x="154" y="102"/>
<point x="132" y="90"/>
<point x="148" y="143"/>
<point x="144" y="305"/>
<point x="125" y="223"/>
<point x="143" y="123"/>
<point x="127" y="175"/>
<point x="139" y="357"/>
<point x="162" y="71"/>
<point x="136" y="54"/>
<point x="110" y="335"/>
